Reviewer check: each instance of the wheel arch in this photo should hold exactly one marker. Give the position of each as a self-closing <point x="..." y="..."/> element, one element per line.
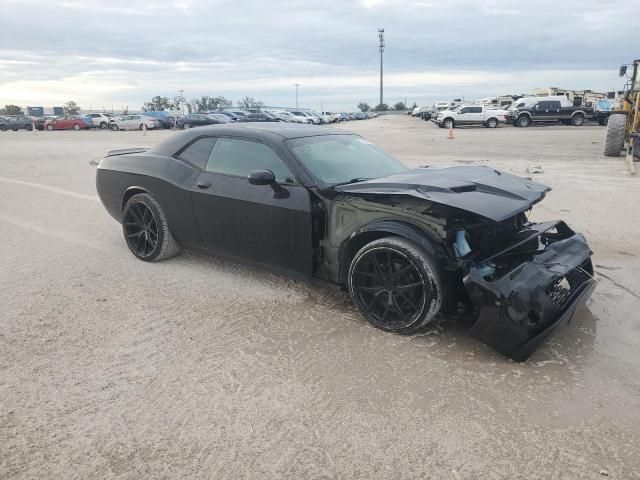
<point x="380" y="229"/>
<point x="130" y="192"/>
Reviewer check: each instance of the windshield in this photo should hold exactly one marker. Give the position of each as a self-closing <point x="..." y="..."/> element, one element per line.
<point x="334" y="159"/>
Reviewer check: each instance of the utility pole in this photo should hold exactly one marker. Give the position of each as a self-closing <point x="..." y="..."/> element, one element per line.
<point x="381" y="47"/>
<point x="182" y="100"/>
<point x="296" y="85"/>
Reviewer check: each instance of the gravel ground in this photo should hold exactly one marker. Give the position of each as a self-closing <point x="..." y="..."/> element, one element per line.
<point x="200" y="368"/>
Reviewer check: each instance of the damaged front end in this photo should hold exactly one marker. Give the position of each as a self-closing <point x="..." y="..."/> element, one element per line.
<point x="529" y="289"/>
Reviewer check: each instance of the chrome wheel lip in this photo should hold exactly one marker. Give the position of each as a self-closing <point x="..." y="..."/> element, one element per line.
<point x="396" y="299"/>
<point x="140" y="227"/>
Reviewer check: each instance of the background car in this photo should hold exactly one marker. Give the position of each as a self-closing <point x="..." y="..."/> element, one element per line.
<point x="133" y="122"/>
<point x="68" y="122"/>
<point x="164" y="119"/>
<point x="15" y="123"/>
<point x="259" y="117"/>
<point x="300" y="117"/>
<point x="198" y="120"/>
<point x="99" y="120"/>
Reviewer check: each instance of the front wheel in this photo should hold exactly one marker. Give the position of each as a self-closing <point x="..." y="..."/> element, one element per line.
<point x="614" y="138"/>
<point x="448" y="123"/>
<point x="115" y="127"/>
<point x="523" y="121"/>
<point x="50" y="127"/>
<point x="186" y="125"/>
<point x="395" y="285"/>
<point x="146" y="230"/>
<point x="76" y="126"/>
<point x="103" y="125"/>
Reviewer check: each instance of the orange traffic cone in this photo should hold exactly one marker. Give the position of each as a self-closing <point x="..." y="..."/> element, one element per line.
<point x="450" y="136"/>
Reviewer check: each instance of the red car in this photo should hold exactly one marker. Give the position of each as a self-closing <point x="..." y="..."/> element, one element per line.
<point x="67" y="123"/>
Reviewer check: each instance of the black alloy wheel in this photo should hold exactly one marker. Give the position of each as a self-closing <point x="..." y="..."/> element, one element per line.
<point x="394" y="285"/>
<point x="141" y="229"/>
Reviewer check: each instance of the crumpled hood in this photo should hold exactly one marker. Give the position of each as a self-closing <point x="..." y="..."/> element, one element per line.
<point x="481" y="190"/>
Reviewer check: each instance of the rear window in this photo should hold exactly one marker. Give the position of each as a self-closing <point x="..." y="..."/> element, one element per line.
<point x="198" y="152"/>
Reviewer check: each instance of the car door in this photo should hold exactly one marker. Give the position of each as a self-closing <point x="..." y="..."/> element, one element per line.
<point x="475" y="115"/>
<point x="253" y="222"/>
<point x="542" y="111"/>
<point x="464" y="116"/>
<point x="130" y="122"/>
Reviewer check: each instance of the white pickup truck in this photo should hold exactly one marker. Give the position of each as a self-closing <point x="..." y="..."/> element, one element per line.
<point x="471" y="115"/>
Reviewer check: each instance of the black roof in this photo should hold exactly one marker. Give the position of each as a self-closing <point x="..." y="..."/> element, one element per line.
<point x="266" y="131"/>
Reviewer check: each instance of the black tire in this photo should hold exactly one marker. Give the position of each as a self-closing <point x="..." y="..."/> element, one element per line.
<point x="146" y="231"/>
<point x="103" y="125"/>
<point x="577" y="120"/>
<point x="408" y="278"/>
<point x="523" y="121"/>
<point x="448" y="123"/>
<point x="115" y="127"/>
<point x="50" y="127"/>
<point x="3" y="128"/>
<point x="492" y="123"/>
<point x="28" y="128"/>
<point x="614" y="139"/>
<point x="186" y="126"/>
<point x="76" y="126"/>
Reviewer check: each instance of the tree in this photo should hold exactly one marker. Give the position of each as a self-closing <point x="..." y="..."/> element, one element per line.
<point x="400" y="106"/>
<point x="207" y="104"/>
<point x="71" y="108"/>
<point x="11" y="110"/>
<point x="250" y="102"/>
<point x="364" y="107"/>
<point x="157" y="104"/>
<point x="382" y="107"/>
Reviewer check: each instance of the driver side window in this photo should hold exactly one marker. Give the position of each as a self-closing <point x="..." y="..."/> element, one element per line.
<point x="231" y="156"/>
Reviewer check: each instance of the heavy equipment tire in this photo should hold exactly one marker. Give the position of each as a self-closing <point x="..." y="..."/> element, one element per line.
<point x="614" y="139"/>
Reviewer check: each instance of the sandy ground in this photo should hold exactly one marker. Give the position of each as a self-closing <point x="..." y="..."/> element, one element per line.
<point x="200" y="368"/>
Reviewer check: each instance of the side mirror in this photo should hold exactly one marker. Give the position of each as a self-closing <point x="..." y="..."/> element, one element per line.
<point x="623" y="71"/>
<point x="261" y="177"/>
<point x="266" y="177"/>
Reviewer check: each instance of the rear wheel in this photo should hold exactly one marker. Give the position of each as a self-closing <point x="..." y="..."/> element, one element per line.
<point x="492" y="123"/>
<point x="614" y="139"/>
<point x="186" y="125"/>
<point x="395" y="285"/>
<point x="103" y="125"/>
<point x="115" y="127"/>
<point x="141" y="127"/>
<point x="76" y="126"/>
<point x="523" y="121"/>
<point x="146" y="230"/>
<point x="577" y="120"/>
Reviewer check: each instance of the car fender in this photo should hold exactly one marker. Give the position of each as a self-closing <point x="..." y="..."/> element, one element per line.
<point x="381" y="228"/>
<point x="578" y="112"/>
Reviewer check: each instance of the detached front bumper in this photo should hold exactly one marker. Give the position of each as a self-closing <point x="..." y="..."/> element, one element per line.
<point x="538" y="284"/>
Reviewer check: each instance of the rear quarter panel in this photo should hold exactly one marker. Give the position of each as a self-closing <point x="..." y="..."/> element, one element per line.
<point x="165" y="178"/>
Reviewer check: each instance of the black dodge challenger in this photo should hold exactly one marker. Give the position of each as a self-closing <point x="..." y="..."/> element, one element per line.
<point x="323" y="203"/>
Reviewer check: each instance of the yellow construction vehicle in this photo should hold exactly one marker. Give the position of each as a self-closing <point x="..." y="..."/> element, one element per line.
<point x="624" y="121"/>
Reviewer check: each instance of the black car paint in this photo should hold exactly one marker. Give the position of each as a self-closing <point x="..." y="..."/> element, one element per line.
<point x="227" y="215"/>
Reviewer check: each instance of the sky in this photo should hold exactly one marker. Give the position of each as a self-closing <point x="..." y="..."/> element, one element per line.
<point x="115" y="53"/>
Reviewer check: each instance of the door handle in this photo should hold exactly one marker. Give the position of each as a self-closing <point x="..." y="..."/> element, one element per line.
<point x="204" y="185"/>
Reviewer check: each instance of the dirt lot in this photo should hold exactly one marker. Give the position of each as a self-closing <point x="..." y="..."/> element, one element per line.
<point x="199" y="368"/>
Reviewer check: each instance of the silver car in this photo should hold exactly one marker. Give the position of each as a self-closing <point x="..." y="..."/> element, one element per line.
<point x="133" y="122"/>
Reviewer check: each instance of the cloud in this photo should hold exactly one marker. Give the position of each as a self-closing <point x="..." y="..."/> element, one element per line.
<point x="121" y="52"/>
